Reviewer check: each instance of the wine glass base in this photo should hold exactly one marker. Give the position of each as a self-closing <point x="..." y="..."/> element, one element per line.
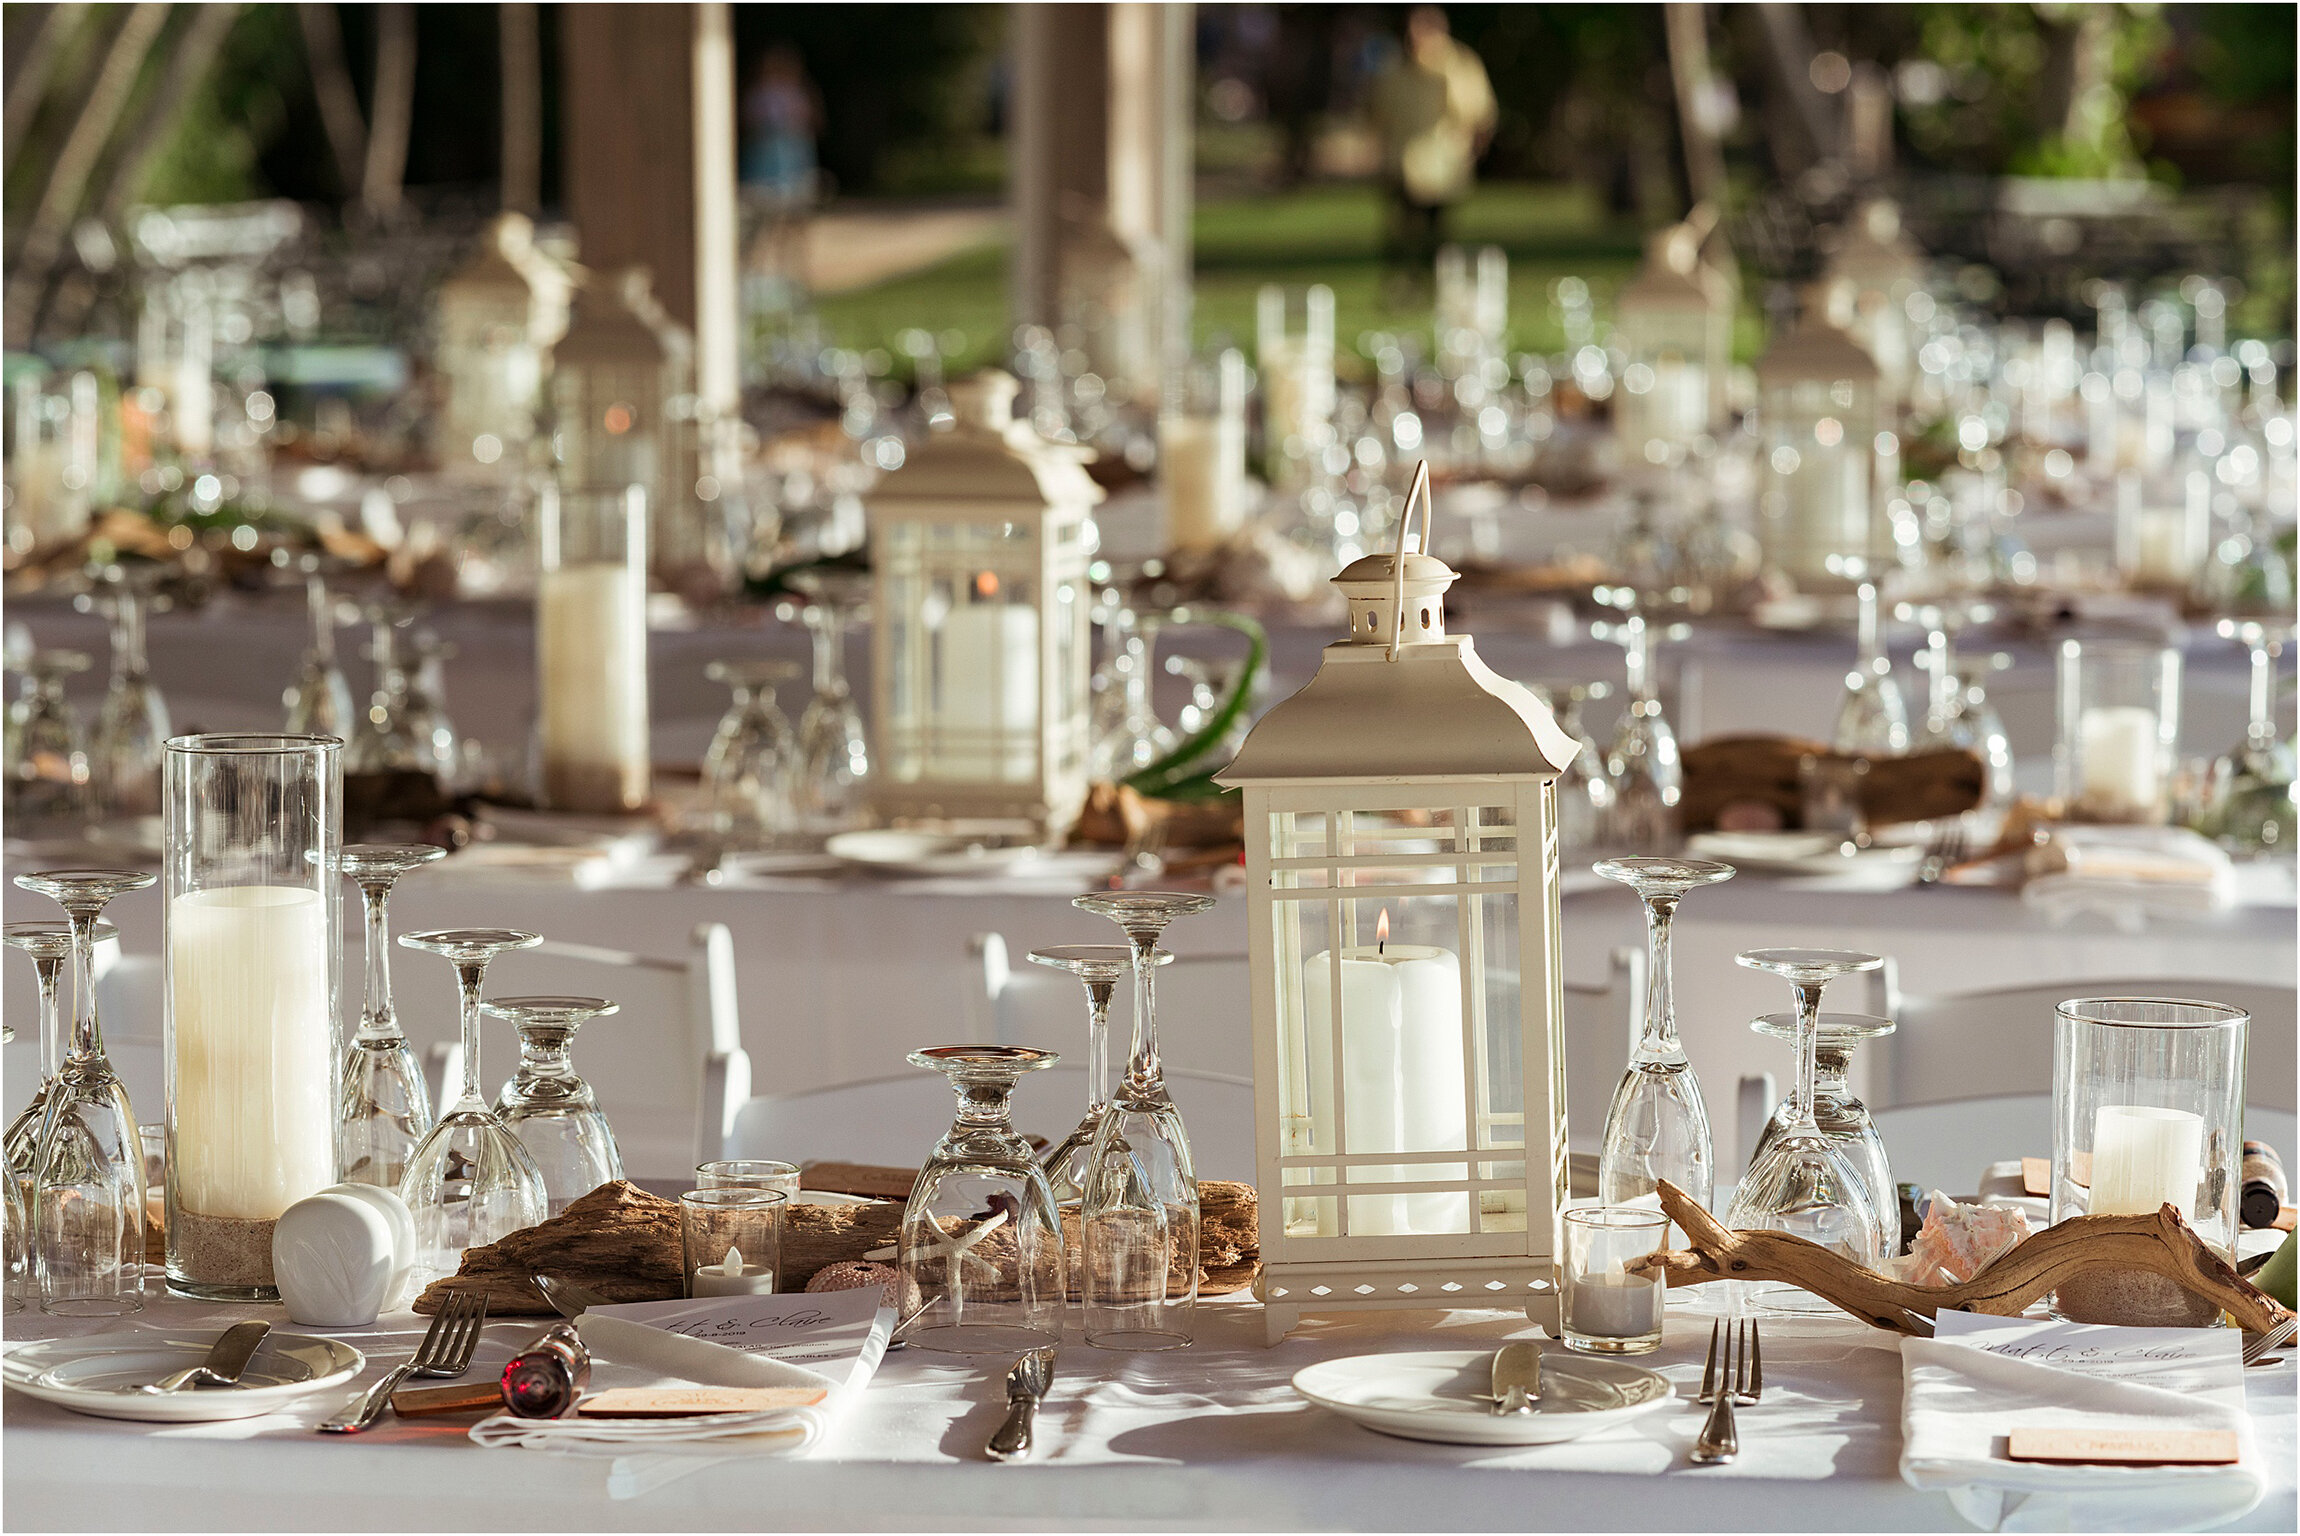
<point x="1774" y="1298"/>
<point x="980" y="1338"/>
<point x="1139" y="1339"/>
<point x="91" y="1306"/>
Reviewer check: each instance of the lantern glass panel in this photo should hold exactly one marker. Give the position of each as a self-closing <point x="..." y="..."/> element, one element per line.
<point x="1820" y="462"/>
<point x="609" y="435"/>
<point x="1410" y="917"/>
<point x="964" y="627"/>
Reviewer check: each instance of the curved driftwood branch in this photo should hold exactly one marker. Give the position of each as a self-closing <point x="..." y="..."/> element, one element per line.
<point x="2162" y="1244"/>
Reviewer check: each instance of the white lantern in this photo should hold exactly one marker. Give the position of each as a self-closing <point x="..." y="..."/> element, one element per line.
<point x="1817" y="411"/>
<point x="1675" y="323"/>
<point x="1401" y="870"/>
<point x="498" y="316"/>
<point x="622" y="389"/>
<point x="979" y="546"/>
<point x="1882" y="268"/>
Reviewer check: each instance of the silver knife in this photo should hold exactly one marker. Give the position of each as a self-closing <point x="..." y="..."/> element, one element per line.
<point x="227" y="1357"/>
<point x="1026" y="1383"/>
<point x="566" y="1297"/>
<point x="1516" y="1378"/>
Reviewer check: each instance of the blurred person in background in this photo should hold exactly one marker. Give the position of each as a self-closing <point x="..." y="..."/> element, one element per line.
<point x="1435" y="112"/>
<point x="782" y="114"/>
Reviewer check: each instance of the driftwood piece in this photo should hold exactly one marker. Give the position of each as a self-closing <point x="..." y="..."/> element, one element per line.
<point x="1763" y="770"/>
<point x="623" y="1243"/>
<point x="2162" y="1244"/>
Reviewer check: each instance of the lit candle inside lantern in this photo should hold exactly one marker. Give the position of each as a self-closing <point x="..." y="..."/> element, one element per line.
<point x="1401" y="1027"/>
<point x="732" y="1277"/>
<point x="254" y="1046"/>
<point x="2121" y="764"/>
<point x="986" y="690"/>
<point x="1202" y="466"/>
<point x="2143" y="1158"/>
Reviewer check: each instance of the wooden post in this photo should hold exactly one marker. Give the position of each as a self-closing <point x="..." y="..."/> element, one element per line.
<point x="522" y="44"/>
<point x="647" y="108"/>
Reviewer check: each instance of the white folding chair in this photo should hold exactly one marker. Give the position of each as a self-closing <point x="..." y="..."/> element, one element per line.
<point x="1601" y="1025"/>
<point x="669" y="1068"/>
<point x="895" y="1121"/>
<point x="1963" y="1045"/>
<point x="1205" y="1009"/>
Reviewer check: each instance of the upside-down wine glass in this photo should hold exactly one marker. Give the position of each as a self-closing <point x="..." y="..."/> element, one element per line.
<point x="1099" y="967"/>
<point x="834" y="759"/>
<point x="470" y="1181"/>
<point x="1842" y="1118"/>
<point x="1140" y="1211"/>
<point x="748" y="770"/>
<point x="319" y="700"/>
<point x="47" y="759"/>
<point x="551" y="1110"/>
<point x="132" y="722"/>
<point x="49" y="945"/>
<point x="1872" y="718"/>
<point x="87" y="1201"/>
<point x="382" y="1104"/>
<point x="980" y="1254"/>
<point x="1803" y="1183"/>
<point x="1657" y="1126"/>
<point x="1642" y="764"/>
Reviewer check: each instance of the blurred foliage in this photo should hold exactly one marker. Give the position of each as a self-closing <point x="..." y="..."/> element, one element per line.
<point x="217" y="150"/>
<point x="2012" y="69"/>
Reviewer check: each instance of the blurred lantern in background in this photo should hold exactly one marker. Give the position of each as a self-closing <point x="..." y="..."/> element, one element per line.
<point x="498" y="316"/>
<point x="1817" y="411"/>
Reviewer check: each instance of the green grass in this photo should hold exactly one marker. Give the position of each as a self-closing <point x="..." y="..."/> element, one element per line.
<point x="1321" y="234"/>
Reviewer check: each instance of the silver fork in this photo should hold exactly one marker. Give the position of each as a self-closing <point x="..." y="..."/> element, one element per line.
<point x="2261" y="1345"/>
<point x="1947" y="848"/>
<point x="445" y="1351"/>
<point x="1731" y="1375"/>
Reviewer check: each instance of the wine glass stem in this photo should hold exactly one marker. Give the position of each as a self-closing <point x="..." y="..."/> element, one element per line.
<point x="1872" y="632"/>
<point x="1098" y="1045"/>
<point x="470" y="976"/>
<point x="1659" y="1040"/>
<point x="1142" y="1070"/>
<point x="51" y="974"/>
<point x="322" y="621"/>
<point x="2262" y="730"/>
<point x="87" y="1036"/>
<point x="377" y="1021"/>
<point x="1808" y="1052"/>
<point x="829" y="633"/>
<point x="1636" y="659"/>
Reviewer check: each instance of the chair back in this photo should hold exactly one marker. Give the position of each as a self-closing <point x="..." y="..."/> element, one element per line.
<point x="1963" y="1045"/>
<point x="668" y="1068"/>
<point x="1601" y="1025"/>
<point x="896" y="1121"/>
<point x="1205" y="1009"/>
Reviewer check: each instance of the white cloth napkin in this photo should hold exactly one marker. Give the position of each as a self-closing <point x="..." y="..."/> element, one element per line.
<point x="1960" y="1400"/>
<point x="641" y="1355"/>
<point x="2130" y="874"/>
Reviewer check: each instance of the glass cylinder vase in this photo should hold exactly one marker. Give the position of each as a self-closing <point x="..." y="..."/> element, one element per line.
<point x="2119" y="726"/>
<point x="252" y="827"/>
<point x="2147" y="1111"/>
<point x="591" y="650"/>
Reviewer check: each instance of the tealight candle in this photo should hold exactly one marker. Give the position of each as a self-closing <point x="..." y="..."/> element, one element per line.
<point x="2119" y="753"/>
<point x="1608" y="1310"/>
<point x="732" y="1277"/>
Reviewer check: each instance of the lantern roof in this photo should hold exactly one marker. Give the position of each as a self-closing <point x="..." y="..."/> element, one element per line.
<point x="1398" y="697"/>
<point x="618" y="319"/>
<point x="1672" y="275"/>
<point x="1817" y="346"/>
<point x="1873" y="251"/>
<point x="990" y="457"/>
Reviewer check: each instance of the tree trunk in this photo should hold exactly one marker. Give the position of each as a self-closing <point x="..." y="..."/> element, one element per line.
<point x="28" y="69"/>
<point x="100" y="112"/>
<point x="338" y="98"/>
<point x="1688" y="26"/>
<point x="1791" y="45"/>
<point x="193" y="55"/>
<point x="391" y="111"/>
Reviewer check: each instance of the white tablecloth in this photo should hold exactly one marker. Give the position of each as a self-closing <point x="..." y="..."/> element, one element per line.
<point x="1211" y="1437"/>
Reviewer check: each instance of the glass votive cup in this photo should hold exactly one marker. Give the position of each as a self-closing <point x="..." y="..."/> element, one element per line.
<point x="1608" y="1310"/>
<point x="153" y="1140"/>
<point x="732" y="1239"/>
<point x="749" y="1173"/>
<point x="2119" y="725"/>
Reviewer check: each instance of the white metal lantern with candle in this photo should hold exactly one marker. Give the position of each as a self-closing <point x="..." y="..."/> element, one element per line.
<point x="622" y="393"/>
<point x="1675" y="322"/>
<point x="1401" y="866"/>
<point x="979" y="545"/>
<point x="498" y="316"/>
<point x="1817" y="410"/>
<point x="1877" y="261"/>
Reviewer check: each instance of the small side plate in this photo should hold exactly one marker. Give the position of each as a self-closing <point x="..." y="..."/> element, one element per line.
<point x="1436" y="1395"/>
<point x="91" y="1374"/>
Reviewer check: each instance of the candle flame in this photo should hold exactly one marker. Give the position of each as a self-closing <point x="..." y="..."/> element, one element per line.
<point x="734" y="1261"/>
<point x="986" y="584"/>
<point x="1382" y="931"/>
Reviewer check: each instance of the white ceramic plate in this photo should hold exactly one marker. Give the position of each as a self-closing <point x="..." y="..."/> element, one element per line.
<point x="1879" y="866"/>
<point x="85" y="1374"/>
<point x="1433" y="1395"/>
<point x="961" y="851"/>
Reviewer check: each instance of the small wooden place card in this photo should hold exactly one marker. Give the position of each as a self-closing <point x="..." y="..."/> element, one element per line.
<point x="2123" y="1447"/>
<point x="684" y="1402"/>
<point x="2036" y="1173"/>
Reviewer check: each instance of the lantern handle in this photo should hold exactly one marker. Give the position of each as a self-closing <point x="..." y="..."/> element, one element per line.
<point x="1421" y="492"/>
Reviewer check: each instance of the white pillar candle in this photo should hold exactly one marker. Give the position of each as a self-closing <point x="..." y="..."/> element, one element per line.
<point x="1613" y="1305"/>
<point x="2143" y="1158"/>
<point x="984" y="725"/>
<point x="2119" y="758"/>
<point x="1201" y="468"/>
<point x="1402" y="1075"/>
<point x="592" y="661"/>
<point x="732" y="1277"/>
<point x="253" y="1049"/>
